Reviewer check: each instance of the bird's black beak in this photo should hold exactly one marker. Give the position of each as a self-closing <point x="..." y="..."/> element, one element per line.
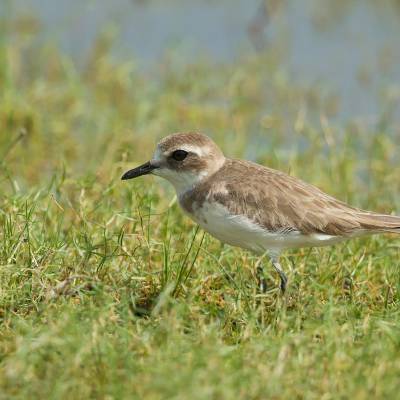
<point x="139" y="171"/>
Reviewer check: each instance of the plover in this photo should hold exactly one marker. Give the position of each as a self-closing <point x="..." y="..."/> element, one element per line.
<point x="254" y="207"/>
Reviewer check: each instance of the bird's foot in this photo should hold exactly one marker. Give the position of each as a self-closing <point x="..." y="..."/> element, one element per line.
<point x="284" y="280"/>
<point x="282" y="277"/>
<point x="262" y="282"/>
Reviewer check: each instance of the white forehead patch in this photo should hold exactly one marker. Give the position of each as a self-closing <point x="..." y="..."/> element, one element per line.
<point x="157" y="156"/>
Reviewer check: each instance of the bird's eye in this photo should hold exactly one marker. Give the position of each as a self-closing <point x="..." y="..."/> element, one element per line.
<point x="179" y="155"/>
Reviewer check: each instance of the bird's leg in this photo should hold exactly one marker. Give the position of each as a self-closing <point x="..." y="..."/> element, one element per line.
<point x="282" y="275"/>
<point x="262" y="282"/>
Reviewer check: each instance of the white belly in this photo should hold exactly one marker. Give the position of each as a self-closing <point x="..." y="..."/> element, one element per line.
<point x="237" y="230"/>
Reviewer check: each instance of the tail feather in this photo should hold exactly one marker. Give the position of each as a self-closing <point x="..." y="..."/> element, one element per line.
<point x="380" y="222"/>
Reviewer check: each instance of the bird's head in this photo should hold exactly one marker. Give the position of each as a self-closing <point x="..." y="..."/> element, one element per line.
<point x="184" y="159"/>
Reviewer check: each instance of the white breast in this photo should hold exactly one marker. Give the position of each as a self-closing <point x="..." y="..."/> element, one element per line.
<point x="237" y="230"/>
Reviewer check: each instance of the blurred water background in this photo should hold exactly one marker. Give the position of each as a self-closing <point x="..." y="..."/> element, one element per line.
<point x="349" y="49"/>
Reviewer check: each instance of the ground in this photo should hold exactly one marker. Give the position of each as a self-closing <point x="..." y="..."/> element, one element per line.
<point x="108" y="291"/>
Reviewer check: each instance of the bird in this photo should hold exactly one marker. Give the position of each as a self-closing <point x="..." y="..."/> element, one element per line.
<point x="253" y="207"/>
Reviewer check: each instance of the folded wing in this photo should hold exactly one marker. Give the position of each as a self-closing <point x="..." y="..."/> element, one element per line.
<point x="277" y="201"/>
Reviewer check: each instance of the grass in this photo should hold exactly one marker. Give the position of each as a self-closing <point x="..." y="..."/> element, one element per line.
<point x="108" y="291"/>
